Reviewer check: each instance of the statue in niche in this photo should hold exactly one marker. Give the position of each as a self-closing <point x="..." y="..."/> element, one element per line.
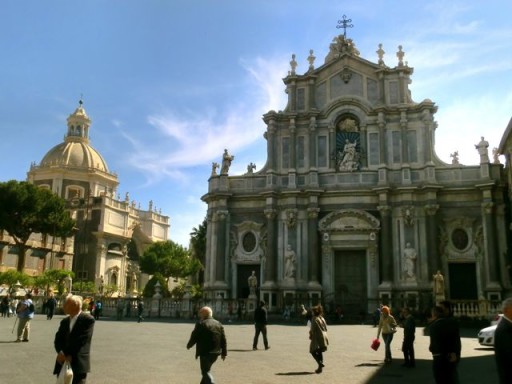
<point x="226" y="162"/>
<point x="349" y="157"/>
<point x="289" y="263"/>
<point x="253" y="283"/>
<point x="410" y="257"/>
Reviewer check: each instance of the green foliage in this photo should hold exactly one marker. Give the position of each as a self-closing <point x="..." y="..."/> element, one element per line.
<point x="168" y="259"/>
<point x="25" y="209"/>
<point x="110" y="289"/>
<point x="178" y="291"/>
<point x="149" y="289"/>
<point x="196" y="291"/>
<point x="84" y="286"/>
<point x="12" y="276"/>
<point x="53" y="279"/>
<point x="198" y="241"/>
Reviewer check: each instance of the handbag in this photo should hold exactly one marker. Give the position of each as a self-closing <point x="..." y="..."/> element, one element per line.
<point x="375" y="344"/>
<point x="66" y="374"/>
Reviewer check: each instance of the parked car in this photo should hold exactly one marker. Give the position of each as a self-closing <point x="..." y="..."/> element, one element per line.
<point x="486" y="335"/>
<point x="496" y="319"/>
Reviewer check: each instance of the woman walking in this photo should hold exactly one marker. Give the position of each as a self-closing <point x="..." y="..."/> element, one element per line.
<point x="387" y="325"/>
<point x="318" y="336"/>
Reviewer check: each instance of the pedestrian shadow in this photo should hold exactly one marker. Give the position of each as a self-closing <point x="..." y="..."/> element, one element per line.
<point x="368" y="365"/>
<point x="240" y="350"/>
<point x="294" y="373"/>
<point x="7" y="341"/>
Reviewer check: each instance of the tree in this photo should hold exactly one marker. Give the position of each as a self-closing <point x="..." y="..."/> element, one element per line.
<point x="168" y="259"/>
<point x="53" y="278"/>
<point x="25" y="209"/>
<point x="11" y="277"/>
<point x="198" y="246"/>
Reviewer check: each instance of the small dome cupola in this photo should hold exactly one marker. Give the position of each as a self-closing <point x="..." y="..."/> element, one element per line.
<point x="78" y="125"/>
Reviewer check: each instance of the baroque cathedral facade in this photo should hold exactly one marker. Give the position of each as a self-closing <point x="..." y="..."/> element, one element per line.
<point x="106" y="223"/>
<point x="353" y="205"/>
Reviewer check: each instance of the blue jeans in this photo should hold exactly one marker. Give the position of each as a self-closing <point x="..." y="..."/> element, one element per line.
<point x="388" y="338"/>
<point x="206" y="363"/>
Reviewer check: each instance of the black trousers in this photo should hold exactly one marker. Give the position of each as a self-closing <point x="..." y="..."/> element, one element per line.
<point x="408" y="350"/>
<point x="444" y="371"/>
<point x="206" y="363"/>
<point x="260" y="328"/>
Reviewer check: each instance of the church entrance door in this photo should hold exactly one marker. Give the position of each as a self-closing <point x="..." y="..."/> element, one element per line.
<point x="350" y="282"/>
<point x="243" y="273"/>
<point x="463" y="281"/>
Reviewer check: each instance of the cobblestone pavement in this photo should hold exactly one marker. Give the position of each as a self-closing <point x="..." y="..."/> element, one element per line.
<point x="154" y="352"/>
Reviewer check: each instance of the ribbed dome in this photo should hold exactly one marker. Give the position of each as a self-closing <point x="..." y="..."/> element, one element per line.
<point x="74" y="154"/>
<point x="75" y="151"/>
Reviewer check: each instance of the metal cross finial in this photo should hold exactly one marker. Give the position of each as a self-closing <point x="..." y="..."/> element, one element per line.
<point x="345" y="24"/>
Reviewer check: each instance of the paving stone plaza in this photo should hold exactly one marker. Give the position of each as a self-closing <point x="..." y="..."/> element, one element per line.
<point x="154" y="352"/>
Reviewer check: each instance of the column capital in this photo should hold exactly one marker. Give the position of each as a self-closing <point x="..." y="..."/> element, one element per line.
<point x="385" y="210"/>
<point x="270" y="213"/>
<point x="220" y="215"/>
<point x="488" y="207"/>
<point x="431" y="209"/>
<point x="313" y="213"/>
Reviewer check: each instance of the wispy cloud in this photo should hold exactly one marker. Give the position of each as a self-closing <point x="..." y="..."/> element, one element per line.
<point x="189" y="140"/>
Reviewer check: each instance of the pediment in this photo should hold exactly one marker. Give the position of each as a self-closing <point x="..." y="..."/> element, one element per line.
<point x="348" y="220"/>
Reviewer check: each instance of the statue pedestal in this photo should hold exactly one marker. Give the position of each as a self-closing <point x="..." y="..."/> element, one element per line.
<point x="438" y="298"/>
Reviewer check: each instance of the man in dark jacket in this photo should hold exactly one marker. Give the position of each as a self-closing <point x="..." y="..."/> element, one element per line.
<point x="503" y="344"/>
<point x="210" y="341"/>
<point x="445" y="346"/>
<point x="73" y="340"/>
<point x="409" y="336"/>
<point x="260" y="326"/>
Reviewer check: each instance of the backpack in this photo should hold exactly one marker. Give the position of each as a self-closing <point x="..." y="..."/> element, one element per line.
<point x="98" y="305"/>
<point x="31" y="308"/>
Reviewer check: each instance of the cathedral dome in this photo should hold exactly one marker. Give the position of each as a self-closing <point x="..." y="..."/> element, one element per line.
<point x="75" y="151"/>
<point x="74" y="154"/>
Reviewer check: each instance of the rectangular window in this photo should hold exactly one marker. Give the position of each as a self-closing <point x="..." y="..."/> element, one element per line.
<point x="285" y="151"/>
<point x="322" y="151"/>
<point x="412" y="146"/>
<point x="395" y="140"/>
<point x="300" y="152"/>
<point x="374" y="155"/>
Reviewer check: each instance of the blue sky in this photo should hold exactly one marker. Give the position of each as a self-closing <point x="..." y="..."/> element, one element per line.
<point x="170" y="84"/>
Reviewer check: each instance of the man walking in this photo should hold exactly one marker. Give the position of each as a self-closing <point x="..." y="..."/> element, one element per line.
<point x="260" y="326"/>
<point x="25" y="311"/>
<point x="445" y="346"/>
<point x="210" y="341"/>
<point x="409" y="336"/>
<point x="73" y="340"/>
<point x="503" y="344"/>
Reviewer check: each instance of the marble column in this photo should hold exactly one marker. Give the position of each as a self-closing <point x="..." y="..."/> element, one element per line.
<point x="293" y="156"/>
<point x="434" y="259"/>
<point x="220" y="256"/>
<point x="386" y="250"/>
<point x="491" y="241"/>
<point x="313" y="257"/>
<point x="271" y="251"/>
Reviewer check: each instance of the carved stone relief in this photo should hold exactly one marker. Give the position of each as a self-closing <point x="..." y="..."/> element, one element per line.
<point x="247" y="243"/>
<point x="461" y="239"/>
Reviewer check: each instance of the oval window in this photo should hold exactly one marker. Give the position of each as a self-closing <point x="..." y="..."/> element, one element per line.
<point x="249" y="242"/>
<point x="460" y="238"/>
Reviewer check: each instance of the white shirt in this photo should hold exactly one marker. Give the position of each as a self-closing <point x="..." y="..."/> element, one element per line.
<point x="72" y="321"/>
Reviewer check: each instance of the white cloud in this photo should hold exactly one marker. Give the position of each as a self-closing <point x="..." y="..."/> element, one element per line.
<point x="188" y="141"/>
